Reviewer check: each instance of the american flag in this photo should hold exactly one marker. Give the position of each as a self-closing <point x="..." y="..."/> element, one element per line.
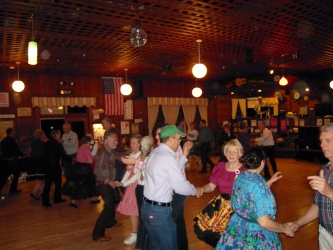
<point x="113" y="99"/>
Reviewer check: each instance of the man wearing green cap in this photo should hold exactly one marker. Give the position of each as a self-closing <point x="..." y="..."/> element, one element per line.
<point x="162" y="178"/>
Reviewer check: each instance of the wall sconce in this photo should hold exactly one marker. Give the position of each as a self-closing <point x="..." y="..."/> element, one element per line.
<point x="138" y="36"/>
<point x="199" y="70"/>
<point x="283" y="81"/>
<point x="126" y="89"/>
<point x="32" y="47"/>
<point x="18" y="85"/>
<point x="196" y="92"/>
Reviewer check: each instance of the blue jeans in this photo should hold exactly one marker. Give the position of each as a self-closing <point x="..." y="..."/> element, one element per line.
<point x="160" y="226"/>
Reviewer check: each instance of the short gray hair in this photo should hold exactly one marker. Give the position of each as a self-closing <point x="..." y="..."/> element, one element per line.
<point x="327" y="128"/>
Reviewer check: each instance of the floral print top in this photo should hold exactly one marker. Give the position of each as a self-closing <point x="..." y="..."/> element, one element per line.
<point x="251" y="199"/>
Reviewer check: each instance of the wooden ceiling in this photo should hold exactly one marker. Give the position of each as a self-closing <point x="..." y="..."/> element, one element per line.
<point x="240" y="38"/>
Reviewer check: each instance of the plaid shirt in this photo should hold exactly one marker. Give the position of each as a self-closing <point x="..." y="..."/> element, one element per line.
<point x="325" y="204"/>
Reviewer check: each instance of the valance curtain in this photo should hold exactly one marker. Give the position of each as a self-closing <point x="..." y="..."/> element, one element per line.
<point x="170" y="107"/>
<point x="63" y="101"/>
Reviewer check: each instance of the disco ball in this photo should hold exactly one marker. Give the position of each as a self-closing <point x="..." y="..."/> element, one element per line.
<point x="138" y="37"/>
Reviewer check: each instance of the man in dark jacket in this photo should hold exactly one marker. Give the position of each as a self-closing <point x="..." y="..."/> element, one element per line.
<point x="10" y="161"/>
<point x="53" y="152"/>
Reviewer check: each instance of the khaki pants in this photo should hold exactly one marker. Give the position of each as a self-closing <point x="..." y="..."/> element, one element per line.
<point x="325" y="239"/>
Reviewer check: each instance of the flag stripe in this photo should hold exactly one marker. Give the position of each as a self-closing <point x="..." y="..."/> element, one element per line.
<point x="113" y="99"/>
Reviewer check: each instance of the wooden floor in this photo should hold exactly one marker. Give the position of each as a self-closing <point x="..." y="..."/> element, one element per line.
<point x="25" y="224"/>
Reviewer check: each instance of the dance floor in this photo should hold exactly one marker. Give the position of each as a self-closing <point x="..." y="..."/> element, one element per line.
<point x="25" y="224"/>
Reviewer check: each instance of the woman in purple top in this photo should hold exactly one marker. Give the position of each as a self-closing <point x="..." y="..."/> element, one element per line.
<point x="211" y="221"/>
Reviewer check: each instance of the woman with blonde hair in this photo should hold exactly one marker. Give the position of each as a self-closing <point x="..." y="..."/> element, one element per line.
<point x="212" y="220"/>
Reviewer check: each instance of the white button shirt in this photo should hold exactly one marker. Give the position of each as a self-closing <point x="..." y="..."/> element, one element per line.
<point x="163" y="176"/>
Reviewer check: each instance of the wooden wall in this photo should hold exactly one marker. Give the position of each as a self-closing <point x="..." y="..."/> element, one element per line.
<point x="219" y="108"/>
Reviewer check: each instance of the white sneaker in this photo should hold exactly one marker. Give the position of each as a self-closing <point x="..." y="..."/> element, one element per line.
<point x="131" y="239"/>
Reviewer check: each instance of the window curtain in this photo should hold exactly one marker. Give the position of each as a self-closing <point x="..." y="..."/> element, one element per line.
<point x="170" y="114"/>
<point x="189" y="113"/>
<point x="63" y="101"/>
<point x="234" y="103"/>
<point x="242" y="105"/>
<point x="173" y="104"/>
<point x="152" y="116"/>
<point x="203" y="112"/>
<point x="273" y="101"/>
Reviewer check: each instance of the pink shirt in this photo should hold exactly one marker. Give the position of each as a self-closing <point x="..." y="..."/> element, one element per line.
<point x="223" y="179"/>
<point x="83" y="154"/>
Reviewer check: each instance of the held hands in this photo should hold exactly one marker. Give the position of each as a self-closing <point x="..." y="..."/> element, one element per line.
<point x="294" y="225"/>
<point x="199" y="192"/>
<point x="113" y="184"/>
<point x="288" y="230"/>
<point x="118" y="184"/>
<point x="320" y="184"/>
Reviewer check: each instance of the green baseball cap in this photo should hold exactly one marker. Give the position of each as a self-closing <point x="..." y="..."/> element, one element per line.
<point x="170" y="130"/>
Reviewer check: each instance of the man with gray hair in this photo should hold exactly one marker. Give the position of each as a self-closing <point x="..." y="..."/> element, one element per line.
<point x="322" y="184"/>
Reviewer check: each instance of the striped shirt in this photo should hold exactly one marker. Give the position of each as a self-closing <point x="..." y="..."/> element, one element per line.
<point x="324" y="203"/>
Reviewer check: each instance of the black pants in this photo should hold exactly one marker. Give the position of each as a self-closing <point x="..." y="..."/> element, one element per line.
<point x="108" y="215"/>
<point x="55" y="177"/>
<point x="178" y="216"/>
<point x="9" y="167"/>
<point x="270" y="152"/>
<point x="204" y="154"/>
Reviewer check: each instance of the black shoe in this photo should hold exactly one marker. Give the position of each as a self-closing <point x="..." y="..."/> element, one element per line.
<point x="60" y="201"/>
<point x="47" y="205"/>
<point x="73" y="205"/>
<point x="95" y="201"/>
<point x="15" y="191"/>
<point x="34" y="196"/>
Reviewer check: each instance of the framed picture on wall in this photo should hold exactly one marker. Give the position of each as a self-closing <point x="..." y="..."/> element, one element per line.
<point x="125" y="128"/>
<point x="4" y="99"/>
<point x="135" y="128"/>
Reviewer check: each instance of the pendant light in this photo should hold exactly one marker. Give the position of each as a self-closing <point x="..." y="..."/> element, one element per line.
<point x="196" y="92"/>
<point x="33" y="46"/>
<point x="199" y="70"/>
<point x="126" y="89"/>
<point x="18" y="85"/>
<point x="283" y="81"/>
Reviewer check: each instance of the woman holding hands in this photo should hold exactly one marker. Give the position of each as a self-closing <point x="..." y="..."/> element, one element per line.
<point x="252" y="225"/>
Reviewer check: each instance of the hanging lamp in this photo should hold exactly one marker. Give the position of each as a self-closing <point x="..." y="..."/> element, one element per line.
<point x="18" y="85"/>
<point x="199" y="70"/>
<point x="196" y="92"/>
<point x="126" y="89"/>
<point x="33" y="46"/>
<point x="283" y="81"/>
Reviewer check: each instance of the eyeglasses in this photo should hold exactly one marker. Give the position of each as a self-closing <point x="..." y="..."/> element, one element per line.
<point x="232" y="152"/>
<point x="179" y="139"/>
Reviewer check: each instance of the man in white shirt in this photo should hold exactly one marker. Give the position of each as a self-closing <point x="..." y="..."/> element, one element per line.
<point x="258" y="106"/>
<point x="162" y="178"/>
<point x="267" y="141"/>
<point x="70" y="142"/>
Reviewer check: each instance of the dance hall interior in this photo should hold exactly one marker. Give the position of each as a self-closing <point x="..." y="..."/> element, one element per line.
<point x="235" y="65"/>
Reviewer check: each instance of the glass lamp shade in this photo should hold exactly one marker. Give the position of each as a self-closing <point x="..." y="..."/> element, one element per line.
<point x="196" y="92"/>
<point x="199" y="70"/>
<point x="283" y="81"/>
<point x="32" y="53"/>
<point x="138" y="37"/>
<point x="126" y="89"/>
<point x="18" y="86"/>
<point x="331" y="84"/>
